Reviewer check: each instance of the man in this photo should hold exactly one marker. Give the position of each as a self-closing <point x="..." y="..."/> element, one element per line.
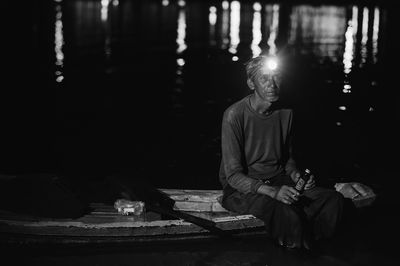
<point x="258" y="172"/>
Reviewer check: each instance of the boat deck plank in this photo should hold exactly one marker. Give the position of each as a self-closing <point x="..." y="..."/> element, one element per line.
<point x="105" y="221"/>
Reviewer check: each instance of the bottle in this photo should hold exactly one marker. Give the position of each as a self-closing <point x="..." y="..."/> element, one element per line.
<point x="136" y="209"/>
<point x="302" y="180"/>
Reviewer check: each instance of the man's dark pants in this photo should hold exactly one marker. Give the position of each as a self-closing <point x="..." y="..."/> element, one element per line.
<point x="315" y="216"/>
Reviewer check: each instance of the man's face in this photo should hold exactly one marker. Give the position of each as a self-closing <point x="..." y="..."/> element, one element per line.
<point x="267" y="86"/>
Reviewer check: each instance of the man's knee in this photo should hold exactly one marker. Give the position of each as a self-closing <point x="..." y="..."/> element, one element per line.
<point x="261" y="206"/>
<point x="255" y="204"/>
<point x="289" y="213"/>
<point x="266" y="208"/>
<point x="335" y="198"/>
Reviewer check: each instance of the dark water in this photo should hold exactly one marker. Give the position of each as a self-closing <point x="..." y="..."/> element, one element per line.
<point x="140" y="86"/>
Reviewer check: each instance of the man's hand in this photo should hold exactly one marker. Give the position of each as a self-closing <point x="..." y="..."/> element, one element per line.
<point x="286" y="194"/>
<point x="295" y="175"/>
<point x="310" y="183"/>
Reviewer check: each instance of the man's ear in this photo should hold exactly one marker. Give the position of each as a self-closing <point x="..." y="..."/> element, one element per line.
<point x="250" y="83"/>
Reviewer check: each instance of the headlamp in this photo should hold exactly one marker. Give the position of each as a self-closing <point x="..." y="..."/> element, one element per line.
<point x="270" y="65"/>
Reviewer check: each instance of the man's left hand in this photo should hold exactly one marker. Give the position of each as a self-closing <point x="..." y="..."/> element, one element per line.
<point x="295" y="175"/>
<point x="310" y="183"/>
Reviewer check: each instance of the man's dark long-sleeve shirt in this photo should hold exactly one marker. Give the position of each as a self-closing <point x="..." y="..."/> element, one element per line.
<point x="255" y="147"/>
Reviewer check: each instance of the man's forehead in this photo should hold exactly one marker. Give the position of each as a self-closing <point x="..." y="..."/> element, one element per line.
<point x="268" y="74"/>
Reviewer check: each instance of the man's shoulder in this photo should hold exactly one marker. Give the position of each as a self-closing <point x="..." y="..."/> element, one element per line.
<point x="235" y="110"/>
<point x="284" y="108"/>
<point x="286" y="111"/>
<point x="285" y="114"/>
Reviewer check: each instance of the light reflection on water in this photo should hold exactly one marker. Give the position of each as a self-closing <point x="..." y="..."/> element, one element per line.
<point x="257" y="35"/>
<point x="225" y="24"/>
<point x="319" y="29"/>
<point x="375" y="35"/>
<point x="350" y="35"/>
<point x="212" y="18"/>
<point x="234" y="27"/>
<point x="181" y="31"/>
<point x="323" y="31"/>
<point x="196" y="50"/>
<point x="364" y="38"/>
<point x="58" y="43"/>
<point x="273" y="25"/>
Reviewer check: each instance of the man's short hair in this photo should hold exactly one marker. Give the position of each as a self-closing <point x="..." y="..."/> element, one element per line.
<point x="254" y="65"/>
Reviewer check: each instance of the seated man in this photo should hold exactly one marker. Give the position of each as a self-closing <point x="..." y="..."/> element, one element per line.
<point x="258" y="172"/>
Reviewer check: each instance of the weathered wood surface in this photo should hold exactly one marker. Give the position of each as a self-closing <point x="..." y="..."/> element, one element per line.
<point x="196" y="200"/>
<point x="193" y="195"/>
<point x="105" y="224"/>
<point x="361" y="195"/>
<point x="117" y="225"/>
<point x="105" y="221"/>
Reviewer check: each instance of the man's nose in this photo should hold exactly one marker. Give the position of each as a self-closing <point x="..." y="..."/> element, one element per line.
<point x="271" y="82"/>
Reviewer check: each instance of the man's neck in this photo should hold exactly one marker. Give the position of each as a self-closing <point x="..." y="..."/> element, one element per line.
<point x="259" y="105"/>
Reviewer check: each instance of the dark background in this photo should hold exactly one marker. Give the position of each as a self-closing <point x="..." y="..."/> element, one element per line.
<point x="128" y="112"/>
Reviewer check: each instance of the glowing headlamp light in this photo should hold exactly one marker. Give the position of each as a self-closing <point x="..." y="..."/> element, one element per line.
<point x="270" y="65"/>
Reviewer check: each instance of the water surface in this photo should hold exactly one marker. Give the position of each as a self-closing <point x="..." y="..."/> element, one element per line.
<point x="141" y="86"/>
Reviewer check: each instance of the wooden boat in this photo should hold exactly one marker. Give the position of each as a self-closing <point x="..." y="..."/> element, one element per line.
<point x="105" y="225"/>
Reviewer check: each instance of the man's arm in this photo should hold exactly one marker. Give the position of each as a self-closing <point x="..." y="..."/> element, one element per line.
<point x="232" y="154"/>
<point x="291" y="166"/>
<point x="285" y="194"/>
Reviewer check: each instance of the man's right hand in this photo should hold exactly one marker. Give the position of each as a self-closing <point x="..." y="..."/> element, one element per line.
<point x="286" y="194"/>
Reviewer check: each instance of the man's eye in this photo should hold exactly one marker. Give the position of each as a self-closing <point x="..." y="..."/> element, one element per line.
<point x="278" y="79"/>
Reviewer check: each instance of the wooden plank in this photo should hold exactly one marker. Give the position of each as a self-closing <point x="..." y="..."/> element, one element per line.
<point x="117" y="221"/>
<point x="126" y="228"/>
<point x="193" y="195"/>
<point x="104" y="220"/>
<point x="196" y="200"/>
<point x="199" y="206"/>
<point x="360" y="194"/>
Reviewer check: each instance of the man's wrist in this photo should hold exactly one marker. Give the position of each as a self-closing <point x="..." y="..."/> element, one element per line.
<point x="289" y="171"/>
<point x="293" y="174"/>
<point x="266" y="190"/>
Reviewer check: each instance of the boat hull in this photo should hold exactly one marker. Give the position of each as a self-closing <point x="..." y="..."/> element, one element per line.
<point x="105" y="225"/>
